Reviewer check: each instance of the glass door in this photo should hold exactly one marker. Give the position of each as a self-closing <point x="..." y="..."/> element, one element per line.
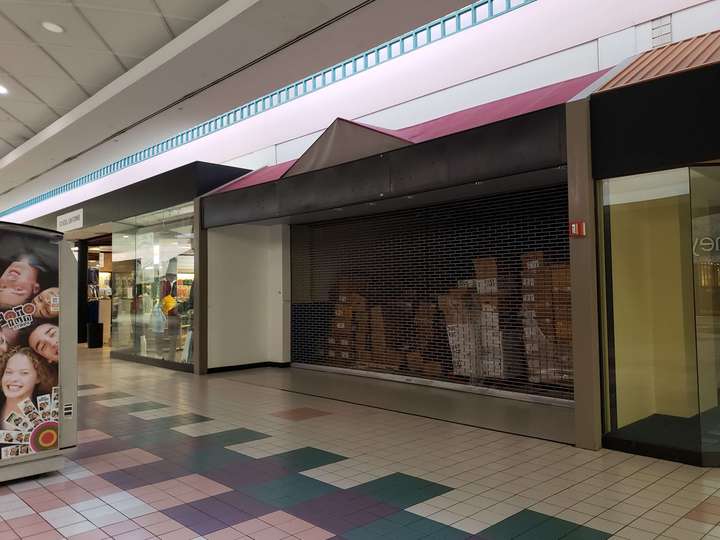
<point x="650" y="362"/>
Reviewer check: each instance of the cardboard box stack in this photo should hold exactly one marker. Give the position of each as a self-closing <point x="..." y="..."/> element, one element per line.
<point x="537" y="315"/>
<point x="457" y="306"/>
<point x="473" y="323"/>
<point x="348" y="336"/>
<point x="487" y="321"/>
<point x="423" y="360"/>
<point x="562" y="371"/>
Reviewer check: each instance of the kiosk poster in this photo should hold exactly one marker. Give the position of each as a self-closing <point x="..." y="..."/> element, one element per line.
<point x="29" y="341"/>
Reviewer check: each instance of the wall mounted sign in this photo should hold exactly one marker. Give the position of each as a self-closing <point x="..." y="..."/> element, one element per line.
<point x="70" y="221"/>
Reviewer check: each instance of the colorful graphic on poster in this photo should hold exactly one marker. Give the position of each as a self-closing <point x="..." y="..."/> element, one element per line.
<point x="29" y="341"/>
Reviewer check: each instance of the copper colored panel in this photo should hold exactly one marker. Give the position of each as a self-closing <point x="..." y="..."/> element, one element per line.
<point x="688" y="54"/>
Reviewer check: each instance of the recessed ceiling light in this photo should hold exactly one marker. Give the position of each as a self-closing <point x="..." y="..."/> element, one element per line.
<point x="3" y="90"/>
<point x="52" y="27"/>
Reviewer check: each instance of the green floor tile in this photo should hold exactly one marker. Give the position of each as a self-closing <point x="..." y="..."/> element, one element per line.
<point x="401" y="490"/>
<point x="142" y="406"/>
<point x="586" y="533"/>
<point x="405" y="526"/>
<point x="515" y="525"/>
<point x="231" y="437"/>
<point x="307" y="458"/>
<point x="551" y="529"/>
<point x="288" y="491"/>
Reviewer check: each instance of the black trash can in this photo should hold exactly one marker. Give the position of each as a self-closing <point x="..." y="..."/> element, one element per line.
<point x="94" y="335"/>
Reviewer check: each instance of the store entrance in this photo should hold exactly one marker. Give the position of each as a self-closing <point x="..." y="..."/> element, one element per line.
<point x="99" y="292"/>
<point x="662" y="309"/>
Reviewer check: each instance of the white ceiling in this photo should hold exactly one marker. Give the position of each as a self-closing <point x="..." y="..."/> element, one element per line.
<point x="262" y="44"/>
<point x="48" y="74"/>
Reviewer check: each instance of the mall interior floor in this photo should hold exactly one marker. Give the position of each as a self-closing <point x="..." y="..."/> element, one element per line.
<point x="168" y="455"/>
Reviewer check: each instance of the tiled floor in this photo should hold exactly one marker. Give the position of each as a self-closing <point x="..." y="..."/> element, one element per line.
<point x="167" y="455"/>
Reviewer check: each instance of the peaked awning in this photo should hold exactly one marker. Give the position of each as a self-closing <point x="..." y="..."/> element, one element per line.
<point x="689" y="54"/>
<point x="345" y="141"/>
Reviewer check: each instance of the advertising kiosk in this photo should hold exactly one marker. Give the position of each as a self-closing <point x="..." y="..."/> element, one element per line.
<point x="38" y="376"/>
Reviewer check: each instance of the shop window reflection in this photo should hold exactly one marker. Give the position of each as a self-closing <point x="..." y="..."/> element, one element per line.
<point x="153" y="310"/>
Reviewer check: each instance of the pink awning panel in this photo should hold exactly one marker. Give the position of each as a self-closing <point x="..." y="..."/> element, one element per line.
<point x="488" y="113"/>
<point x="502" y="109"/>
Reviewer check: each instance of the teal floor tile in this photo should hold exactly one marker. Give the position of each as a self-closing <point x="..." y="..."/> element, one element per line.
<point x="586" y="533"/>
<point x="288" y="491"/>
<point x="143" y="406"/>
<point x="515" y="525"/>
<point x="307" y="458"/>
<point x="405" y="526"/>
<point x="551" y="529"/>
<point x="401" y="490"/>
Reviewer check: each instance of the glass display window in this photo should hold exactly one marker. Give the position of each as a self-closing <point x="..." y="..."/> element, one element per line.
<point x="660" y="252"/>
<point x="153" y="274"/>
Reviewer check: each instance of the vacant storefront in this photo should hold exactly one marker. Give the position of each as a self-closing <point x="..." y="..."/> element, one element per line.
<point x="658" y="199"/>
<point x="472" y="294"/>
<point x="437" y="254"/>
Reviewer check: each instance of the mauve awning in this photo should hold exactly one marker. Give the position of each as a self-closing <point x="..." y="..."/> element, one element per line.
<point x="474" y="117"/>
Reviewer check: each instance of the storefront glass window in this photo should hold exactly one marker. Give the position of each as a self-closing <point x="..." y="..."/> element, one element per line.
<point x="661" y="258"/>
<point x="705" y="203"/>
<point x="153" y="272"/>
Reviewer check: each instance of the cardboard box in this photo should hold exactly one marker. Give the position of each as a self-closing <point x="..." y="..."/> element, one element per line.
<point x="377" y="331"/>
<point x="532" y="261"/>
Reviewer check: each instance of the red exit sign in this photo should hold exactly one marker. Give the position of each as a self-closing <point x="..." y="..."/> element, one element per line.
<point x="578" y="229"/>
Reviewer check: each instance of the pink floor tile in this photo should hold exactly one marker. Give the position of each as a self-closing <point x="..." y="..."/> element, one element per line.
<point x="191" y="496"/>
<point x="44" y="506"/>
<point x="180" y="534"/>
<point x="207" y="486"/>
<point x="277" y="517"/>
<point x="151" y="519"/>
<point x="8" y="535"/>
<point x="270" y="534"/>
<point x="104" y="492"/>
<point x="164" y="504"/>
<point x="137" y="534"/>
<point x="4" y="526"/>
<point x="91" y="435"/>
<point x="251" y="526"/>
<point x="121" y="527"/>
<point x="295" y="526"/>
<point x="50" y="535"/>
<point x="60" y="486"/>
<point x="316" y="533"/>
<point x="225" y="534"/>
<point x="32" y="530"/>
<point x="164" y="527"/>
<point x="25" y="521"/>
<point x="5" y="490"/>
<point x="97" y="534"/>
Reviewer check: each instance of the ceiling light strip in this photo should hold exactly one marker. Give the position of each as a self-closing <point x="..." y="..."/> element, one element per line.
<point x="457" y="21"/>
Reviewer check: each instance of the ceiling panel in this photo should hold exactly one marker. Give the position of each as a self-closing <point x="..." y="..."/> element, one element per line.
<point x="34" y="115"/>
<point x="94" y="68"/>
<point x="102" y="39"/>
<point x="147" y="6"/>
<point x="62" y="94"/>
<point x="28" y="16"/>
<point x="178" y="26"/>
<point x="29" y="60"/>
<point x="130" y="33"/>
<point x="188" y="9"/>
<point x="12" y="131"/>
<point x="5" y="147"/>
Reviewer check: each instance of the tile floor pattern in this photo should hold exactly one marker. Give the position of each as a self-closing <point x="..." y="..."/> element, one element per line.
<point x="166" y="455"/>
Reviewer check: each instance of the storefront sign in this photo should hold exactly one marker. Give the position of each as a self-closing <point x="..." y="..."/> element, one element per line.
<point x="70" y="221"/>
<point x="577" y="229"/>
